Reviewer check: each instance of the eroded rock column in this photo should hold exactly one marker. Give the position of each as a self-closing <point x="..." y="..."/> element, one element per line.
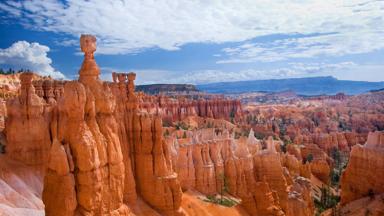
<point x="88" y="126"/>
<point x="27" y="128"/>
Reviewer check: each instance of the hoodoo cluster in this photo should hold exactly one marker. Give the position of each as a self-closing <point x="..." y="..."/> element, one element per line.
<point x="101" y="148"/>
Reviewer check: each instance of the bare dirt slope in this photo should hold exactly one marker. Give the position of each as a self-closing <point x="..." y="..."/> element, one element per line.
<point x="20" y="189"/>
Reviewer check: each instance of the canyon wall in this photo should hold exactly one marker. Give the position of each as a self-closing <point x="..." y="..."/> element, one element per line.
<point x="177" y="108"/>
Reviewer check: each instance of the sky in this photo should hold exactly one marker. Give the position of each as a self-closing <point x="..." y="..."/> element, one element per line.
<point x="197" y="41"/>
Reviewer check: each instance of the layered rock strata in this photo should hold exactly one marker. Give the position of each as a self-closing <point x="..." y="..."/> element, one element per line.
<point x="176" y="109"/>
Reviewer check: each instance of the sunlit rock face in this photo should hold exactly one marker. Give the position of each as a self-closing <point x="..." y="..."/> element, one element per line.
<point x="28" y="114"/>
<point x="86" y="162"/>
<point x="177" y="108"/>
<point x="147" y="156"/>
<point x="320" y="163"/>
<point x="363" y="175"/>
<point x="267" y="182"/>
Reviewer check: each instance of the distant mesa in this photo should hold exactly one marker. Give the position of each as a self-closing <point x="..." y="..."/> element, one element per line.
<point x="303" y="86"/>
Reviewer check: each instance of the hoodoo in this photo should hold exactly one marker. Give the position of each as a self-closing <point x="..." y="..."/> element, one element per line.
<point x="86" y="162"/>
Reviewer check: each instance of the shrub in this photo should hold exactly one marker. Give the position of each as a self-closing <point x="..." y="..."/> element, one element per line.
<point x="259" y="136"/>
<point x="309" y="157"/>
<point x="327" y="200"/>
<point x="228" y="202"/>
<point x="166" y="133"/>
<point x="167" y="123"/>
<point x="181" y="125"/>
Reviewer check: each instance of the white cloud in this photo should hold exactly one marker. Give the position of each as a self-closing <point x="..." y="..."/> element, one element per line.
<point x="67" y="42"/>
<point x="130" y="26"/>
<point x="11" y="8"/>
<point x="152" y="76"/>
<point x="144" y="76"/>
<point x="32" y="56"/>
<point x="328" y="45"/>
<point x="363" y="72"/>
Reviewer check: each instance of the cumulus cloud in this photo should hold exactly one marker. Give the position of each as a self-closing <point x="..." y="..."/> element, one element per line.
<point x="32" y="56"/>
<point x="130" y="26"/>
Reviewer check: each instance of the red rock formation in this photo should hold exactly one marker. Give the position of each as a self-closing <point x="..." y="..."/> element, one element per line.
<point x="299" y="198"/>
<point x="27" y="114"/>
<point x="372" y="205"/>
<point x="218" y="161"/>
<point x="124" y="117"/>
<point x="253" y="144"/>
<point x="157" y="182"/>
<point x="49" y="95"/>
<point x="147" y="156"/>
<point x="327" y="142"/>
<point x="320" y="164"/>
<point x="3" y="114"/>
<point x="268" y="166"/>
<point x="321" y="170"/>
<point x="204" y="169"/>
<point x="291" y="163"/>
<point x="58" y="89"/>
<point x="257" y="177"/>
<point x="294" y="150"/>
<point x="363" y="175"/>
<point x="108" y="149"/>
<point x="351" y="138"/>
<point x="185" y="167"/>
<point x="60" y="179"/>
<point x="38" y="84"/>
<point x="93" y="161"/>
<point x="176" y="109"/>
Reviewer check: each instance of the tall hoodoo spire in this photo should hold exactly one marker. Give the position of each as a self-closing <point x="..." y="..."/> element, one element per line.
<point x="89" y="68"/>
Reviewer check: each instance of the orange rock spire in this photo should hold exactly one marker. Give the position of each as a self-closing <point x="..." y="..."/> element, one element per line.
<point x="88" y="129"/>
<point x="89" y="69"/>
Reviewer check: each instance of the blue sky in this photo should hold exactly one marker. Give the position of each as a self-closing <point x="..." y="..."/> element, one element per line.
<point x="198" y="41"/>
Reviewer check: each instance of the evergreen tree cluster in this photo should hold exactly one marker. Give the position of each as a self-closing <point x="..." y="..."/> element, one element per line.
<point x="13" y="71"/>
